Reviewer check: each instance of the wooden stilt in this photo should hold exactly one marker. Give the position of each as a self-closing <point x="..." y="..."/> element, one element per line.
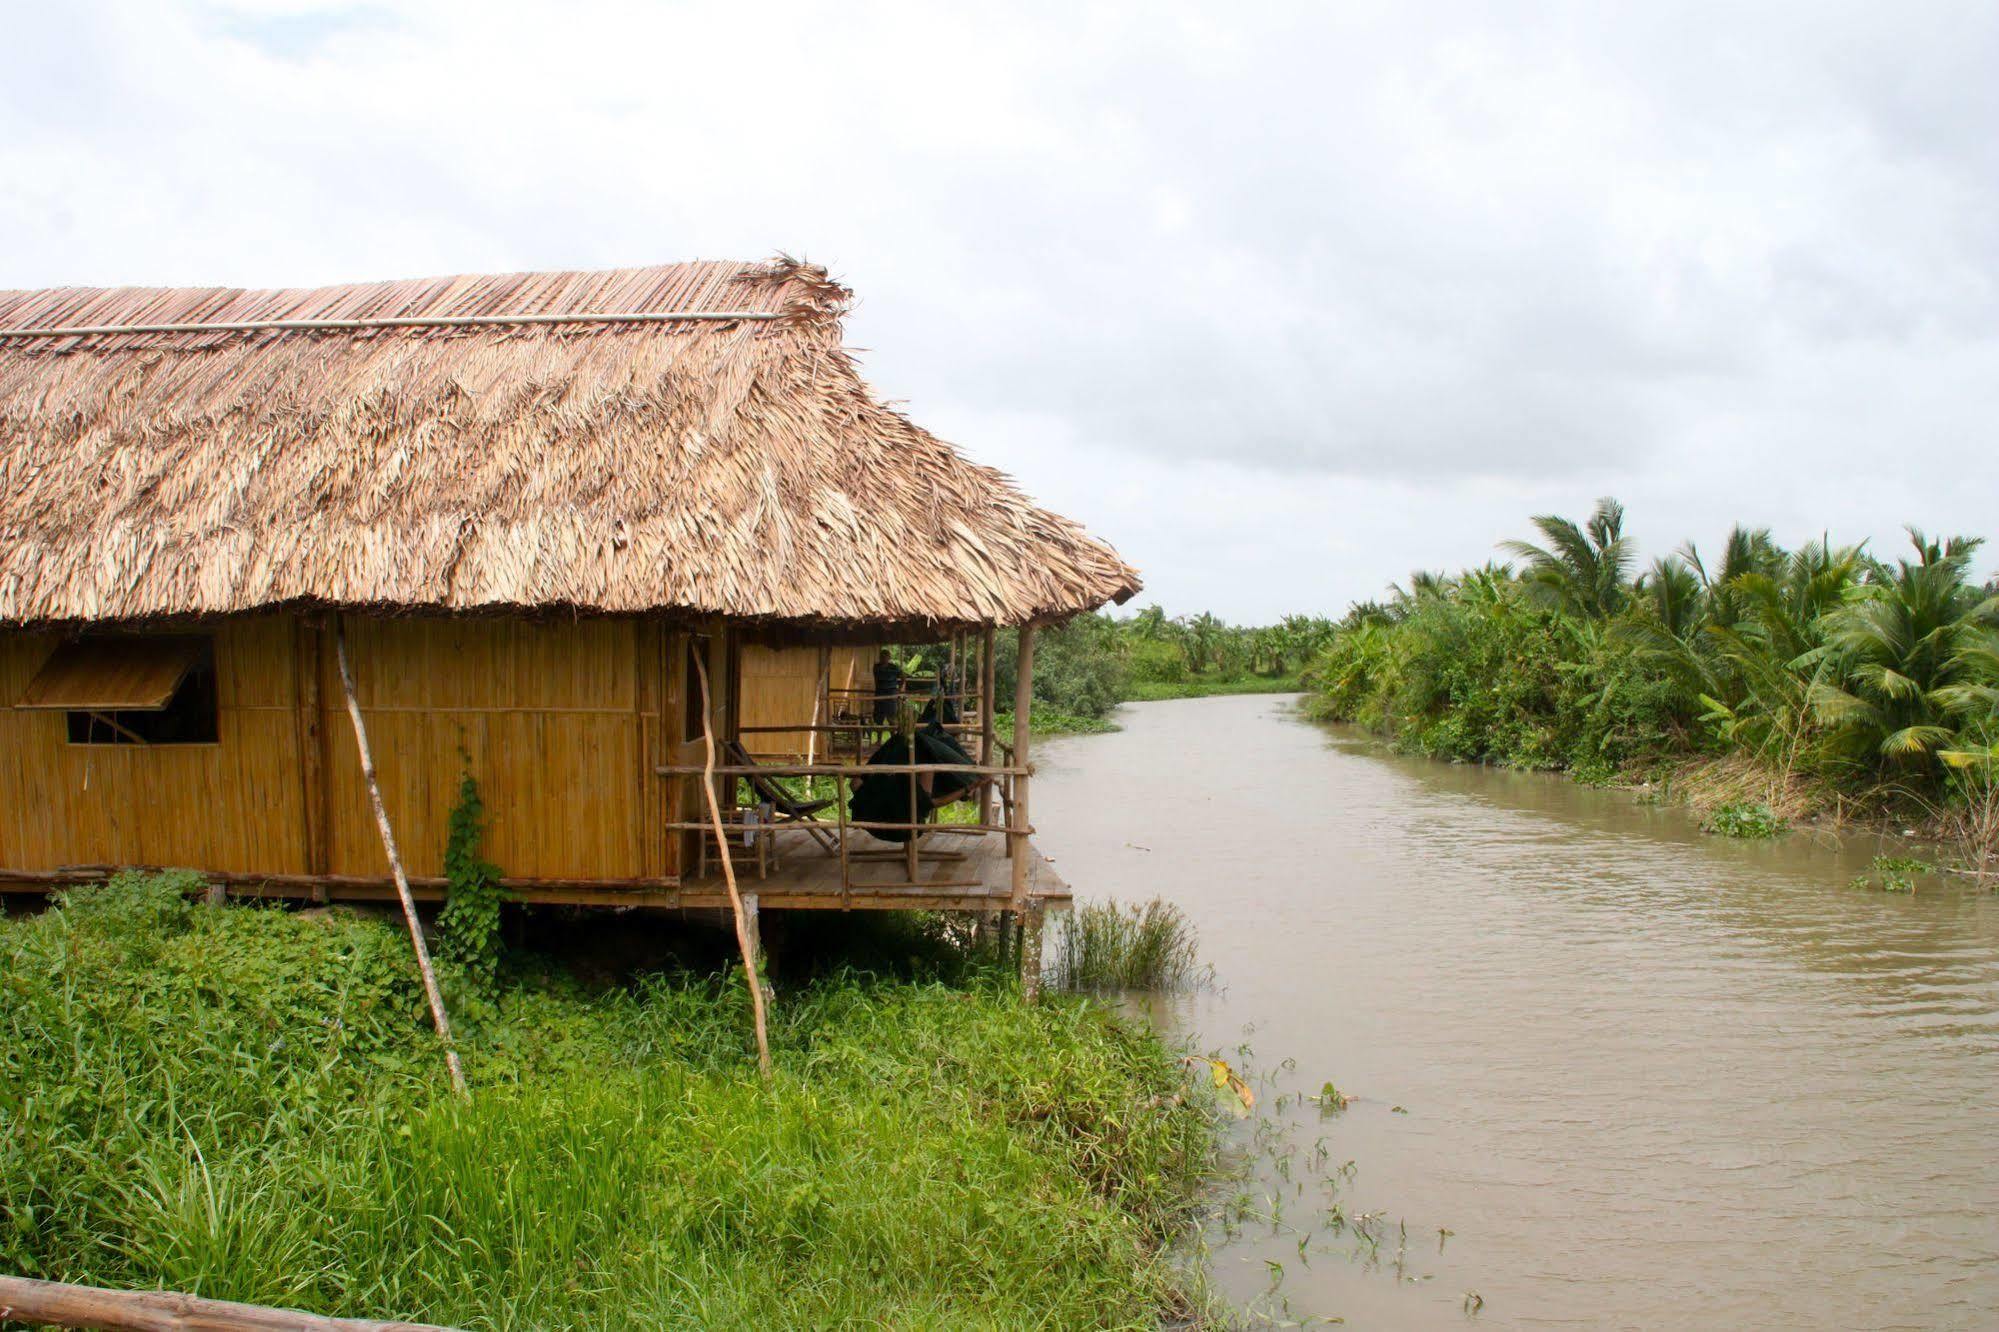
<point x="744" y="941"/>
<point x="1031" y="921"/>
<point x="753" y="918"/>
<point x="430" y="989"/>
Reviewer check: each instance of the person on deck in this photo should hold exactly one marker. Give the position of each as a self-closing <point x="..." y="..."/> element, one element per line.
<point x="888" y="688"/>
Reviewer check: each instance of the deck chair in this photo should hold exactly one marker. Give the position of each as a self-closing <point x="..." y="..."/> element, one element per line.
<point x="787" y="810"/>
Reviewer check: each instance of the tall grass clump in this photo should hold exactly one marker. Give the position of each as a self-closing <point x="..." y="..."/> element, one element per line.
<point x="1142" y="946"/>
<point x="243" y="1102"/>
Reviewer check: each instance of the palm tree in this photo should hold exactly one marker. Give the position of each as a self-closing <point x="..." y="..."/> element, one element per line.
<point x="1764" y="647"/>
<point x="1204" y="636"/>
<point x="1671" y="590"/>
<point x="1150" y="624"/>
<point x="1912" y="656"/>
<point x="1581" y="569"/>
<point x="1748" y="550"/>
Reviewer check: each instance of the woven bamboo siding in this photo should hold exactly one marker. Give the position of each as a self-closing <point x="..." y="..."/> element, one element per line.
<point x="546" y="716"/>
<point x="780" y="686"/>
<point x="235" y="806"/>
<point x="851" y="668"/>
<point x="561" y="722"/>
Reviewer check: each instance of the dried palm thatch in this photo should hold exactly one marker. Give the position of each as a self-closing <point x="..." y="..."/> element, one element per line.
<point x="691" y="437"/>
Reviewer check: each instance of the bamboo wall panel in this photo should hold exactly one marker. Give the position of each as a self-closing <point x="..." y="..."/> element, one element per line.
<point x="234" y="806"/>
<point x="551" y="718"/>
<point x="782" y="685"/>
<point x="546" y="716"/>
<point x="851" y="668"/>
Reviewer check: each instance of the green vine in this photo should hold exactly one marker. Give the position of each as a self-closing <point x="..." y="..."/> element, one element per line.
<point x="469" y="924"/>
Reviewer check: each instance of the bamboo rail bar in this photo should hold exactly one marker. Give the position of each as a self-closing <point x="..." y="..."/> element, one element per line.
<point x="430" y="989"/>
<point x="59" y="1304"/>
<point x="834" y="769"/>
<point x="764" y="829"/>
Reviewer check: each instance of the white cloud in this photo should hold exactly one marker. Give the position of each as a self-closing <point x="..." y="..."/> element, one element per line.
<point x="1284" y="300"/>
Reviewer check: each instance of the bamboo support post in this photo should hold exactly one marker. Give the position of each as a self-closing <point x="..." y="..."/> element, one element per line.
<point x="988" y="724"/>
<point x="1023" y="709"/>
<point x="430" y="989"/>
<point x="59" y="1304"/>
<point x="909" y="848"/>
<point x="840" y="793"/>
<point x="744" y="941"/>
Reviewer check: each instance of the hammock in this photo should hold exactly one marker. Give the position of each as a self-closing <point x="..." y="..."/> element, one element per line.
<point x="884" y="798"/>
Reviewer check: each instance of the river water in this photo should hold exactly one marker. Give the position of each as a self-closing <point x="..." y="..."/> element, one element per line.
<point x="1643" y="1077"/>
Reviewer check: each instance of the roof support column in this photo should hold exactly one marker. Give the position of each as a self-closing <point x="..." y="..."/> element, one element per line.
<point x="1018" y="829"/>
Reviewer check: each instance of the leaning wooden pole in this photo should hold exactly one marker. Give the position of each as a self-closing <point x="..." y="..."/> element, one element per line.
<point x="743" y="940"/>
<point x="435" y="995"/>
<point x="58" y="1304"/>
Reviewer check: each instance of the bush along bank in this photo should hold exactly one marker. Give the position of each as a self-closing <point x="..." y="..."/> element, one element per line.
<point x="1822" y="680"/>
<point x="247" y="1103"/>
<point x="1087" y="666"/>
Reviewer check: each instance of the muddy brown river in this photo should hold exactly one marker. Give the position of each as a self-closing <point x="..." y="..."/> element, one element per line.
<point x="1607" y="1071"/>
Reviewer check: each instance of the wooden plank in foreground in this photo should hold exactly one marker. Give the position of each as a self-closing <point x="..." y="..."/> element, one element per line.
<point x="55" y="1304"/>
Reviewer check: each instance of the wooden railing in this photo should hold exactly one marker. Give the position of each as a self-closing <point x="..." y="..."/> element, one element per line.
<point x="998" y="778"/>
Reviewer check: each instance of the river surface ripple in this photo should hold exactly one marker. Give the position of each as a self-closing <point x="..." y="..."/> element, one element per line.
<point x="1647" y="1077"/>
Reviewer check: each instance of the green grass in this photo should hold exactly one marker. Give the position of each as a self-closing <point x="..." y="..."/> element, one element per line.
<point x="1108" y="946"/>
<point x="1205" y="686"/>
<point x="248" y="1104"/>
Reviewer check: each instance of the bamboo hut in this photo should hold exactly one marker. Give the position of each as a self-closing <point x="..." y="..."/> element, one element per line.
<point x="530" y="512"/>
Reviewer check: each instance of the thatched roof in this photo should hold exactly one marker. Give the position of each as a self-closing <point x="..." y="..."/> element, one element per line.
<point x="732" y="463"/>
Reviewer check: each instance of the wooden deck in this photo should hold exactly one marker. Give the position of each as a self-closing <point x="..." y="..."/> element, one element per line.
<point x="806" y="877"/>
<point x="803" y="877"/>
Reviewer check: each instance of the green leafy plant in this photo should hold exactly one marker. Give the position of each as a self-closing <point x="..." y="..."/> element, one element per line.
<point x="469" y="924"/>
<point x="1894" y="874"/>
<point x="1744" y="821"/>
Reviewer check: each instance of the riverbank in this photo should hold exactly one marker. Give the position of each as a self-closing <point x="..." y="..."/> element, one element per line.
<point x="1736" y="796"/>
<point x="1211" y="686"/>
<point x="1811" y="684"/>
<point x="247" y="1103"/>
<point x="1053" y="721"/>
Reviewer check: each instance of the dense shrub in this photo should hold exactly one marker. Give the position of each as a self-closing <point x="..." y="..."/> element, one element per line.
<point x="1080" y="667"/>
<point x="1823" y="664"/>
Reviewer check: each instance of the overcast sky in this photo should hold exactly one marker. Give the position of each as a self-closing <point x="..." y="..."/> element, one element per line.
<point x="1283" y="301"/>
